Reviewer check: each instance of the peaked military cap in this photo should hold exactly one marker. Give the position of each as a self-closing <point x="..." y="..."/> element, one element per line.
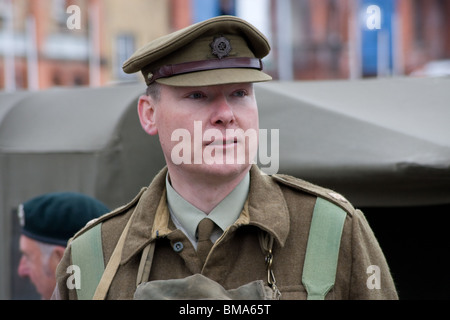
<point x="55" y="217"/>
<point x="221" y="50"/>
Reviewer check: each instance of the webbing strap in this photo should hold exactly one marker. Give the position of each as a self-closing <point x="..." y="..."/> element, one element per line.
<point x="87" y="254"/>
<point x="319" y="269"/>
<point x="146" y="263"/>
<point x="111" y="268"/>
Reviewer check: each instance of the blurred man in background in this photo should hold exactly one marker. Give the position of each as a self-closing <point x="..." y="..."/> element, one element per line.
<point x="48" y="221"/>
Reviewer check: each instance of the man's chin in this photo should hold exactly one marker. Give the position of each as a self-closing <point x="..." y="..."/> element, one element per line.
<point x="216" y="170"/>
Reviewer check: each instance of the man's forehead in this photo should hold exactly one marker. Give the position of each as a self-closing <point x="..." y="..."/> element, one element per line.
<point x="27" y="245"/>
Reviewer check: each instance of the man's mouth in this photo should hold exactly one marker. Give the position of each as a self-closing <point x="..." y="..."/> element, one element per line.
<point x="224" y="142"/>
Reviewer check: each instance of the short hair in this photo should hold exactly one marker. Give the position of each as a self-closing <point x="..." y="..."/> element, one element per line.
<point x="154" y="91"/>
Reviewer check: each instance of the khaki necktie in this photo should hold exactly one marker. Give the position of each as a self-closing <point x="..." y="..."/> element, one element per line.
<point x="204" y="244"/>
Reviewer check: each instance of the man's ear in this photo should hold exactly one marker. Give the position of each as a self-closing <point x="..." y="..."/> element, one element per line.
<point x="56" y="256"/>
<point x="146" y="111"/>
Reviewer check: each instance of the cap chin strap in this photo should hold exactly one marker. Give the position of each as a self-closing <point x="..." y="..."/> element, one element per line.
<point x="203" y="65"/>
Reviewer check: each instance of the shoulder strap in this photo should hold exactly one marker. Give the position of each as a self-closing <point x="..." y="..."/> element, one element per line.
<point x="319" y="269"/>
<point x="87" y="254"/>
<point x="111" y="268"/>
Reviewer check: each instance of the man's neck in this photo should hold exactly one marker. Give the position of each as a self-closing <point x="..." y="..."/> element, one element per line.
<point x="204" y="192"/>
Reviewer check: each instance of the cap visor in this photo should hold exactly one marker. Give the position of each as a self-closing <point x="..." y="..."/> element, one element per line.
<point x="215" y="77"/>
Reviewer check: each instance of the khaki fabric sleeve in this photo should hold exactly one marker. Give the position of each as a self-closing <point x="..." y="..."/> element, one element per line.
<point x="65" y="275"/>
<point x="370" y="276"/>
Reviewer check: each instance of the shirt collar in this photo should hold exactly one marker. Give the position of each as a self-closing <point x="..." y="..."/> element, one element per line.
<point x="267" y="209"/>
<point x="223" y="215"/>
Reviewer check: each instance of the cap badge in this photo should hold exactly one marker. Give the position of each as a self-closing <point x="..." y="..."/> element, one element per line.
<point x="21" y="215"/>
<point x="221" y="47"/>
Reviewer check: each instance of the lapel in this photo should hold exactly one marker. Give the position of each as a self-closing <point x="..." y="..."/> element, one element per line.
<point x="267" y="209"/>
<point x="143" y="218"/>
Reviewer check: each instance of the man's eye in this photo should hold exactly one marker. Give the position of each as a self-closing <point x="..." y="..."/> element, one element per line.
<point x="196" y="95"/>
<point x="240" y="93"/>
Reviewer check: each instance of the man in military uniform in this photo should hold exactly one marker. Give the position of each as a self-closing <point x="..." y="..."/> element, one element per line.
<point x="260" y="227"/>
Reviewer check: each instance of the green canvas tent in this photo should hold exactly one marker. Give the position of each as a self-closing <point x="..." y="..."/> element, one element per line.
<point x="86" y="140"/>
<point x="393" y="133"/>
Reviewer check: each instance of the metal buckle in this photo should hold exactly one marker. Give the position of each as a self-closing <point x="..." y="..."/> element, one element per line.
<point x="271" y="277"/>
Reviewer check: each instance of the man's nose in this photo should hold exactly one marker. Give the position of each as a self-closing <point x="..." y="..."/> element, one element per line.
<point x="23" y="270"/>
<point x="222" y="113"/>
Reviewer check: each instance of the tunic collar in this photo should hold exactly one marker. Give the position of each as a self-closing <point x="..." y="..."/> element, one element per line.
<point x="267" y="209"/>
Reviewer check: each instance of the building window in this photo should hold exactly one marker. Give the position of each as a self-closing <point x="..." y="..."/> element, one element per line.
<point x="227" y="7"/>
<point x="125" y="47"/>
<point x="59" y="12"/>
<point x="419" y="23"/>
<point x="205" y="9"/>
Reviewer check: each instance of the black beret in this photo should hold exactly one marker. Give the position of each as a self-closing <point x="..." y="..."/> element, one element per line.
<point x="55" y="217"/>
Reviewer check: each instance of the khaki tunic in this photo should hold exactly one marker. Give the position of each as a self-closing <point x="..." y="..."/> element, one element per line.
<point x="280" y="205"/>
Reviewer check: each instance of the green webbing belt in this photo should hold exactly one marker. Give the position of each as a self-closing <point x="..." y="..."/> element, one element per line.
<point x="319" y="269"/>
<point x="87" y="254"/>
